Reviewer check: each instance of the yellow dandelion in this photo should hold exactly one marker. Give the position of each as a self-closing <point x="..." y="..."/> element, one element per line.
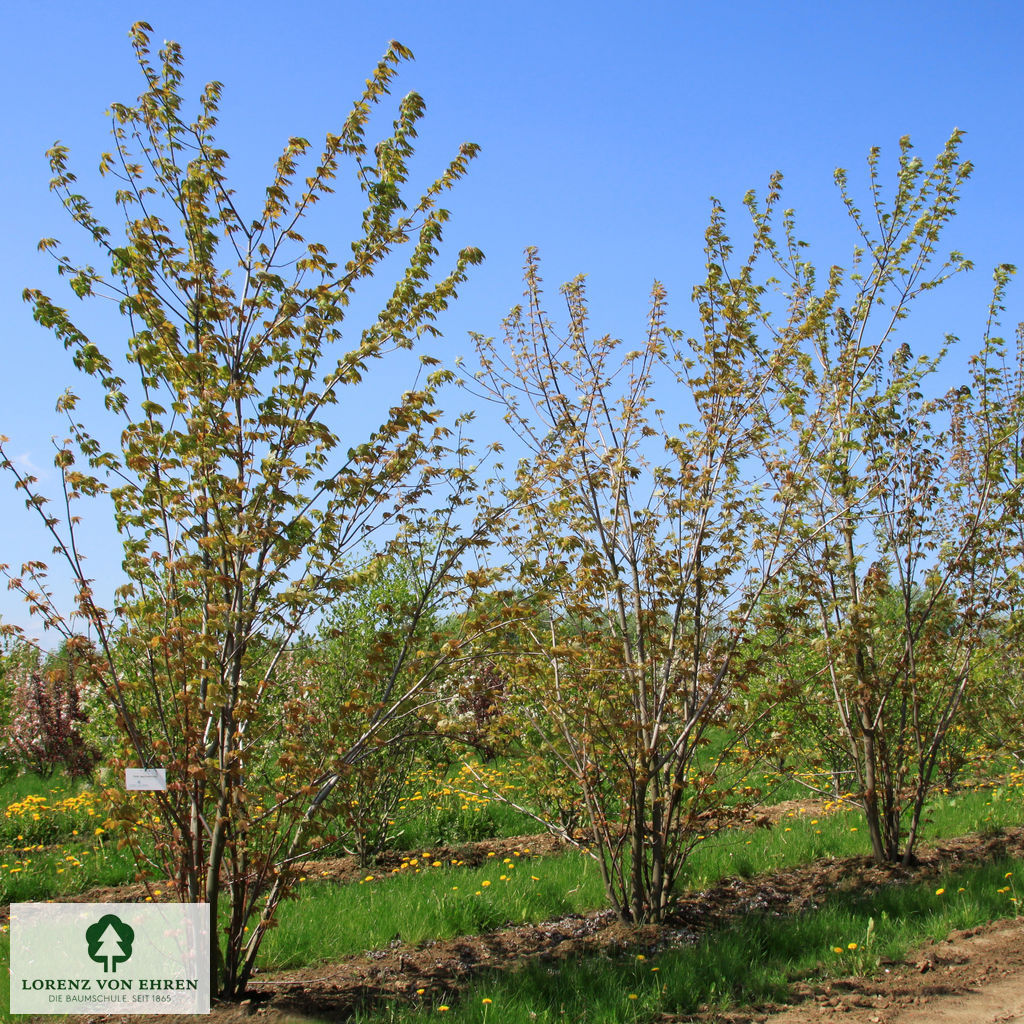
<point x="851" y="945"/>
<point x="837" y="949"/>
<point x="939" y="892"/>
<point x="443" y="1009"/>
<point x="485" y="884"/>
<point x="486" y="1001"/>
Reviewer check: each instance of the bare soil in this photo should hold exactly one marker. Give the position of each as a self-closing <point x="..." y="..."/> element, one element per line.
<point x="975" y="976"/>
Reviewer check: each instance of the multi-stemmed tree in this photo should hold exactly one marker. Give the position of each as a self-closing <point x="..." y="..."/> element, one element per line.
<point x="240" y="498"/>
<point x="892" y="543"/>
<point x="644" y="544"/>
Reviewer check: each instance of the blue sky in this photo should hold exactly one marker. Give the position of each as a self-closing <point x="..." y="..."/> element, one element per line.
<point x="604" y="129"/>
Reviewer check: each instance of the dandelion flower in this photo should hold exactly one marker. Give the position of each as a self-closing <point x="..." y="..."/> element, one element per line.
<point x="486" y="1001"/>
<point x="939" y="892"/>
<point x="852" y="945"/>
<point x="443" y="1009"/>
<point x="837" y="949"/>
<point x="633" y="995"/>
<point x="485" y="883"/>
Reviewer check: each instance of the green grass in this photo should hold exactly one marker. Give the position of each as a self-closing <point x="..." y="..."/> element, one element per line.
<point x="459" y="806"/>
<point x="328" y="922"/>
<point x="45" y="809"/>
<point x="446" y="822"/>
<point x="751" y="960"/>
<point x="35" y="874"/>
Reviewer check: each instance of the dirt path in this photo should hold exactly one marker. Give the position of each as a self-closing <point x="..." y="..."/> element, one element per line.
<point x="974" y="977"/>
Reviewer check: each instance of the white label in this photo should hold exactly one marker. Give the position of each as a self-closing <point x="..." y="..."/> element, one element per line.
<point x="145" y="778"/>
<point x="110" y="958"/>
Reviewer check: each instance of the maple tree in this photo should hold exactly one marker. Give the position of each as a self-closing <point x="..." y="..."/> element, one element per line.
<point x="896" y="538"/>
<point x="643" y="544"/>
<point x="244" y="511"/>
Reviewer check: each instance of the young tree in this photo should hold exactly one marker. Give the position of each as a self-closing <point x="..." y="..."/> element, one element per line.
<point x="352" y="657"/>
<point x="895" y="527"/>
<point x="997" y="413"/>
<point x="644" y="545"/>
<point x="47" y="716"/>
<point x="240" y="503"/>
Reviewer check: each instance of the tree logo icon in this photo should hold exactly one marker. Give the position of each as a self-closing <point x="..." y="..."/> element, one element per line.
<point x="110" y="942"/>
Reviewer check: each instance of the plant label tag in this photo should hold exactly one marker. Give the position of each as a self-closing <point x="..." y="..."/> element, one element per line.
<point x="145" y="778"/>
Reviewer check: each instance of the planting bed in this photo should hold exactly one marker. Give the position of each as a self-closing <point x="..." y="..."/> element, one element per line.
<point x="976" y="975"/>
